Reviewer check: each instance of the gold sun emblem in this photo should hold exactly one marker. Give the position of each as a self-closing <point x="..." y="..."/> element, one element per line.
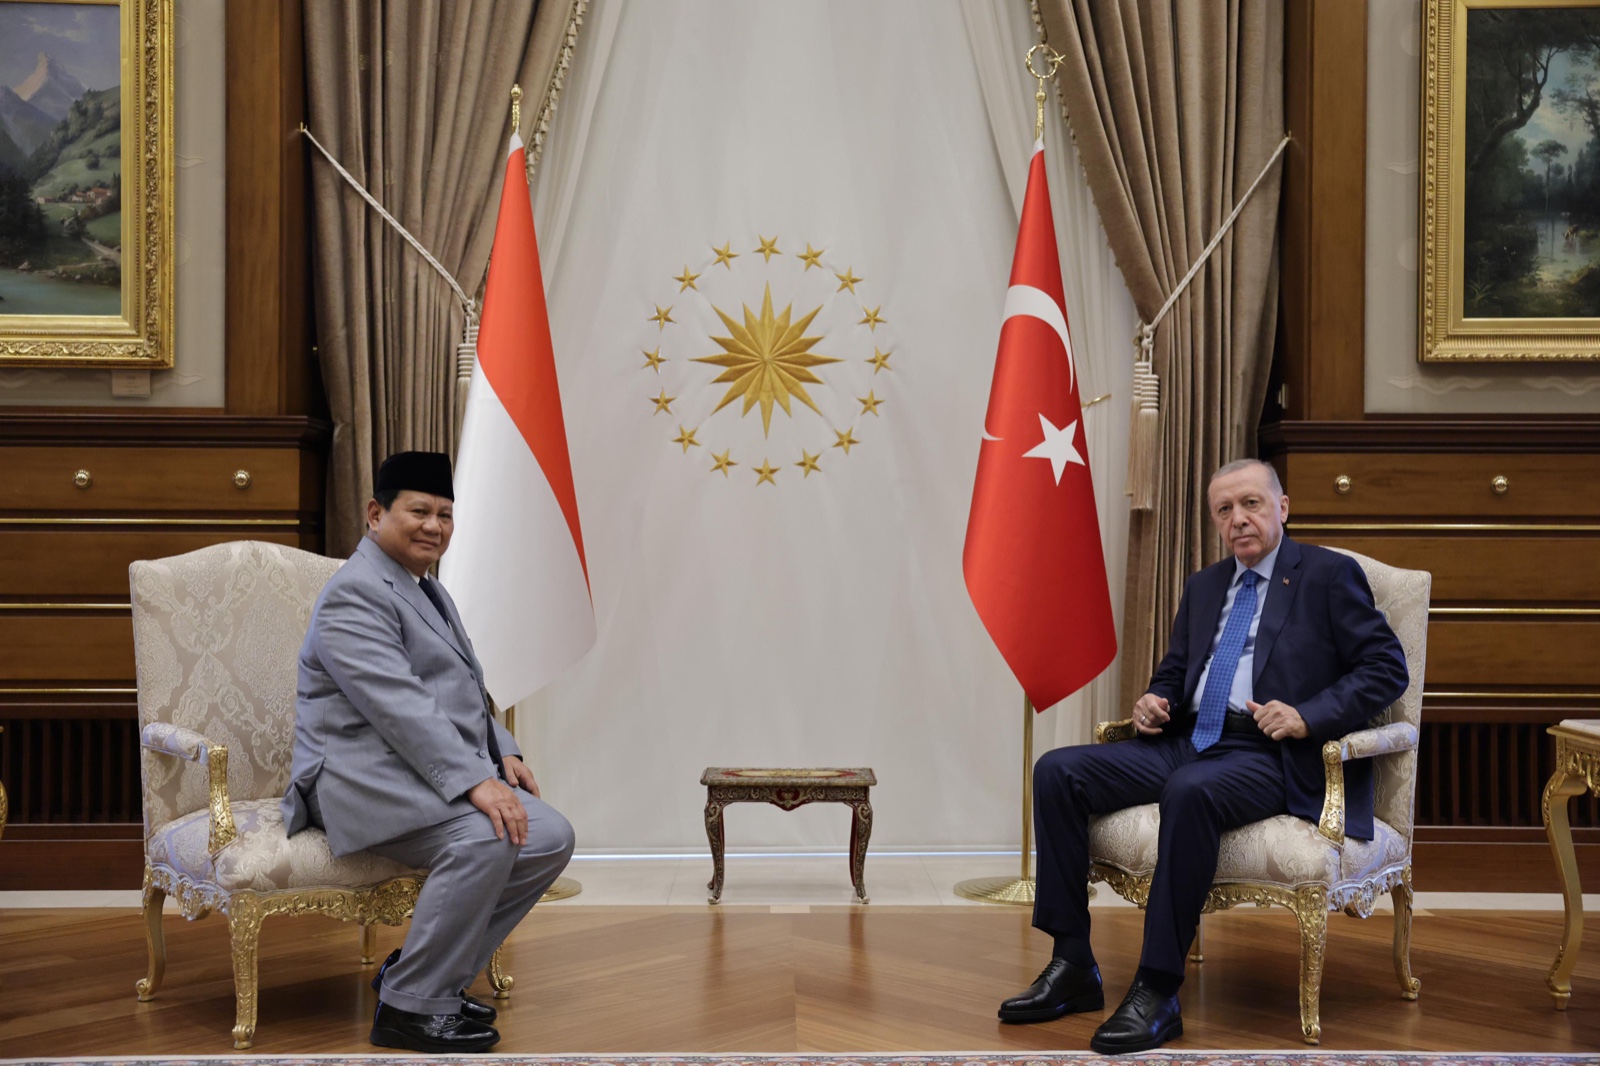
<point x="767" y="360"/>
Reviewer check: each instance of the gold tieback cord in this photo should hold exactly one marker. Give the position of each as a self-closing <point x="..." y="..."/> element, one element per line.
<point x="1144" y="439"/>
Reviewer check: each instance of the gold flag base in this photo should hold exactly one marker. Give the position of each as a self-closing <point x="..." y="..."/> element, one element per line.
<point x="564" y="888"/>
<point x="1017" y="891"/>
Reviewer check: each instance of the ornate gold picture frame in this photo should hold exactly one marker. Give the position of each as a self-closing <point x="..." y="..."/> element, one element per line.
<point x="86" y="183"/>
<point x="1510" y="220"/>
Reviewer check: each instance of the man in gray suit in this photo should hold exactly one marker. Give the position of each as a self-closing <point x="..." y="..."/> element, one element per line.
<point x="396" y="752"/>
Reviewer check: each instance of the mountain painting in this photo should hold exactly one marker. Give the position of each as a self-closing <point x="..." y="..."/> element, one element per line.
<point x="60" y="159"/>
<point x="1532" y="157"/>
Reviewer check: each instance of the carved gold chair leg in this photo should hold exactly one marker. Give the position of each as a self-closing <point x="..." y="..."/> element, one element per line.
<point x="1557" y="792"/>
<point x="1402" y="896"/>
<point x="369" y="943"/>
<point x="244" y="927"/>
<point x="1311" y="908"/>
<point x="155" y="940"/>
<point x="1197" y="950"/>
<point x="499" y="980"/>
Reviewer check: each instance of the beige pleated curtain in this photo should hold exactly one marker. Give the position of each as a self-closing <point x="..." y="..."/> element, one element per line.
<point x="413" y="97"/>
<point x="1174" y="106"/>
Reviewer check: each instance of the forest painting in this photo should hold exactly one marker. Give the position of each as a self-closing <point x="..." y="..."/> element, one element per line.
<point x="1531" y="163"/>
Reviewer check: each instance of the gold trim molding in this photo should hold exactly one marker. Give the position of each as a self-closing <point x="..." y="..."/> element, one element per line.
<point x="57" y="691"/>
<point x="287" y="525"/>
<point x="66" y="606"/>
<point x="140" y="336"/>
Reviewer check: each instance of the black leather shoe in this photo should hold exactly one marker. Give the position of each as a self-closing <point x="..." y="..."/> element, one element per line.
<point x="1146" y="1019"/>
<point x="439" y="1034"/>
<point x="1061" y="989"/>
<point x="472" y="1008"/>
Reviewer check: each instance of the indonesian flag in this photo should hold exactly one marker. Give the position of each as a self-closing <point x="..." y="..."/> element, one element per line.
<point x="516" y="567"/>
<point x="1034" y="565"/>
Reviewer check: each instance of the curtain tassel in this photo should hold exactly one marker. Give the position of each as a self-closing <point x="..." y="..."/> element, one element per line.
<point x="1144" y="444"/>
<point x="466" y="359"/>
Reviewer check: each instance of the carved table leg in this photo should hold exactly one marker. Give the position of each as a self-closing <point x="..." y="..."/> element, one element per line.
<point x="369" y="943"/>
<point x="714" y="837"/>
<point x="860" y="833"/>
<point x="1402" y="896"/>
<point x="244" y="927"/>
<point x="1311" y="907"/>
<point x="1561" y="788"/>
<point x="499" y="980"/>
<point x="155" y="940"/>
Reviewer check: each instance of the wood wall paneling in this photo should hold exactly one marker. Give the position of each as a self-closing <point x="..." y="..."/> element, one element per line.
<point x="97" y="567"/>
<point x="1322" y="280"/>
<point x="1483" y="567"/>
<point x="1407" y="484"/>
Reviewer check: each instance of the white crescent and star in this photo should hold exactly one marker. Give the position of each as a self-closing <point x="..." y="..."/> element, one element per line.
<point x="1058" y="445"/>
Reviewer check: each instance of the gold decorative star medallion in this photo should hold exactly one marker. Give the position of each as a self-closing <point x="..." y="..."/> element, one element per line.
<point x="768" y="360"/>
<point x="808" y="463"/>
<point x="873" y="319"/>
<point x="846" y="440"/>
<point x="685" y="437"/>
<point x="812" y="256"/>
<point x="662" y="402"/>
<point x="880" y="361"/>
<point x="764" y="473"/>
<point x="722" y="462"/>
<point x="653" y="360"/>
<point x="768" y="248"/>
<point x="662" y="316"/>
<point x="724" y="256"/>
<point x="848" y="280"/>
<point x="869" y="403"/>
<point x="687" y="280"/>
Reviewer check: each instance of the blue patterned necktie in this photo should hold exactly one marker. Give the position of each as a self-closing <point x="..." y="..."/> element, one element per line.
<point x="1224" y="664"/>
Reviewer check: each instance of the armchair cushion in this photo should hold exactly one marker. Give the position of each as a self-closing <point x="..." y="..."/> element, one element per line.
<point x="263" y="858"/>
<point x="1282" y="850"/>
<point x="174" y="740"/>
<point x="1384" y="740"/>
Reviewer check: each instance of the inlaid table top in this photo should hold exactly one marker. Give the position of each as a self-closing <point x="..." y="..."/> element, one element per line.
<point x="822" y="777"/>
<point x="1584" y="728"/>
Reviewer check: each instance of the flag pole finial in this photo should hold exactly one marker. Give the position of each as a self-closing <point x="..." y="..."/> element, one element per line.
<point x="1053" y="60"/>
<point x="516" y="108"/>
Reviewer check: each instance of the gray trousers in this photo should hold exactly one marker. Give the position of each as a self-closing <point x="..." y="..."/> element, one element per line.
<point x="478" y="889"/>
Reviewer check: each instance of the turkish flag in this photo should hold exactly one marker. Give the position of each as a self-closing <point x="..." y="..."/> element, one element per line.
<point x="1034" y="564"/>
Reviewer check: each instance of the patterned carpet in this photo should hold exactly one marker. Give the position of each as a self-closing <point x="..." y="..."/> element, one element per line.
<point x="1153" y="1058"/>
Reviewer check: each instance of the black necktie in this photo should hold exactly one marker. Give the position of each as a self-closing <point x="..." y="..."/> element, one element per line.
<point x="432" y="592"/>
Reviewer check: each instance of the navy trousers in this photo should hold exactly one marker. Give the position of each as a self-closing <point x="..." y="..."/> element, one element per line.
<point x="1236" y="781"/>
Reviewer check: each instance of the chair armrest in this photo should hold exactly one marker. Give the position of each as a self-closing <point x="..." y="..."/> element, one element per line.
<point x="1107" y="732"/>
<point x="164" y="738"/>
<point x="1362" y="744"/>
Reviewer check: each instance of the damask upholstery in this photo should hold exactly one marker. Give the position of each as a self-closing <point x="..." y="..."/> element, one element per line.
<point x="1312" y="868"/>
<point x="217" y="636"/>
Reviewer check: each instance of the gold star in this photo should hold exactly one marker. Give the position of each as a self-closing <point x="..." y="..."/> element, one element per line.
<point x="768" y="248"/>
<point x="767" y="360"/>
<point x="653" y="360"/>
<point x="724" y="256"/>
<point x="848" y="280"/>
<point x="845" y="440"/>
<point x="811" y="256"/>
<point x="722" y="461"/>
<point x="685" y="437"/>
<point x="871" y="321"/>
<point x="662" y="317"/>
<point x="662" y="402"/>
<point x="869" y="403"/>
<point x="686" y="280"/>
<point x="880" y="361"/>
<point x="808" y="463"/>
<point x="765" y="472"/>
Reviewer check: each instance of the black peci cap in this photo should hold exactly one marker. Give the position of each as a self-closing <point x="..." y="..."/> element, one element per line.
<point x="418" y="471"/>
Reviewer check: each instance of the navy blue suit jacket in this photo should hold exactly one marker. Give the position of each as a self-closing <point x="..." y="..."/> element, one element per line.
<point x="1322" y="647"/>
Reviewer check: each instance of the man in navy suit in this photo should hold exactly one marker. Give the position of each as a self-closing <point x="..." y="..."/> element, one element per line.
<point x="1276" y="650"/>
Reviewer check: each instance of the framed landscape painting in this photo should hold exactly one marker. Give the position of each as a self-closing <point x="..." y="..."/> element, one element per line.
<point x="86" y="214"/>
<point x="1511" y="181"/>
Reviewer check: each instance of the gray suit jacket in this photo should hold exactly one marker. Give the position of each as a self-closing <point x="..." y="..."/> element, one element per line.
<point x="391" y="716"/>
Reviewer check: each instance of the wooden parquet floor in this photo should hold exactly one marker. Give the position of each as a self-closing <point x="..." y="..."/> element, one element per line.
<point x="689" y="979"/>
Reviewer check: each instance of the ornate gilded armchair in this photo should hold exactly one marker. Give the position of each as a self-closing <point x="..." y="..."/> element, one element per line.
<point x="217" y="636"/>
<point x="1310" y="869"/>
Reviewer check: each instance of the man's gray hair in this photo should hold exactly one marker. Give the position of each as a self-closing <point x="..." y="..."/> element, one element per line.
<point x="1245" y="464"/>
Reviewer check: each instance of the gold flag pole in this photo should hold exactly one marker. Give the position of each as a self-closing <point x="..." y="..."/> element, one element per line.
<point x="1019" y="891"/>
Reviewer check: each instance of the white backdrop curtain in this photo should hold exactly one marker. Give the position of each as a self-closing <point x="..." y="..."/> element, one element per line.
<point x="822" y="619"/>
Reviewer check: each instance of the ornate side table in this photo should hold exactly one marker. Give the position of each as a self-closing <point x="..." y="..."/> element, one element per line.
<point x="1577" y="772"/>
<point x="789" y="789"/>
